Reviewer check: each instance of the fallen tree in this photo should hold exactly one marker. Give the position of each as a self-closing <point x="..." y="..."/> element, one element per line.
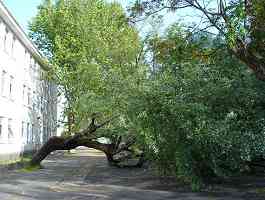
<point x="92" y="74"/>
<point x="116" y="152"/>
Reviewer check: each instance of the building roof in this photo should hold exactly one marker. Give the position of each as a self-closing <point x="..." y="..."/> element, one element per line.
<point x="20" y="34"/>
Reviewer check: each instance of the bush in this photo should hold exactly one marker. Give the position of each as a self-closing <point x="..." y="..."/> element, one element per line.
<point x="201" y="119"/>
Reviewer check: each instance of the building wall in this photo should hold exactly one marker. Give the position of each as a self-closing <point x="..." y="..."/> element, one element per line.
<point x="27" y="101"/>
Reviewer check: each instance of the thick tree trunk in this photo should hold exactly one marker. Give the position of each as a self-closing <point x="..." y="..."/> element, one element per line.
<point x="256" y="64"/>
<point x="61" y="143"/>
<point x="85" y="138"/>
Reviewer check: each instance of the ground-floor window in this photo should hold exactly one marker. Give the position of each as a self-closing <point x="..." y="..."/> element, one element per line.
<point x="28" y="133"/>
<point x="32" y="133"/>
<point x="1" y="127"/>
<point x="10" y="129"/>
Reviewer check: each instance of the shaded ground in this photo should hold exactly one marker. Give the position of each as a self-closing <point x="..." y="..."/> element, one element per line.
<point x="85" y="175"/>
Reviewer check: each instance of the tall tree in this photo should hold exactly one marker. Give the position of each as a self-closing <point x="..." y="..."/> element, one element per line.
<point x="93" y="52"/>
<point x="240" y="22"/>
<point x="201" y="114"/>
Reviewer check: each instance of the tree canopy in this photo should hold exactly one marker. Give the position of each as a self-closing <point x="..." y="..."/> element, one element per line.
<point x="240" y="22"/>
<point x="201" y="114"/>
<point x="196" y="113"/>
<point x="93" y="52"/>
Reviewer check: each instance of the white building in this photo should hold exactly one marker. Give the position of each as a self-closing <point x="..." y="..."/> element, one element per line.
<point x="27" y="102"/>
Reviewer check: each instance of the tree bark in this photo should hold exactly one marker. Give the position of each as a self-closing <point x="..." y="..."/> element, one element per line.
<point x="85" y="138"/>
<point x="61" y="143"/>
<point x="243" y="53"/>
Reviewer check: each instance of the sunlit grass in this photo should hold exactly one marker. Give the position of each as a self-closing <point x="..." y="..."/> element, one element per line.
<point x="22" y="164"/>
<point x="260" y="190"/>
<point x="25" y="164"/>
<point x="8" y="162"/>
<point x="29" y="168"/>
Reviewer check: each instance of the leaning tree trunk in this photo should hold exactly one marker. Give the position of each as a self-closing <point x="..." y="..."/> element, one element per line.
<point x="85" y="138"/>
<point x="88" y="139"/>
<point x="62" y="143"/>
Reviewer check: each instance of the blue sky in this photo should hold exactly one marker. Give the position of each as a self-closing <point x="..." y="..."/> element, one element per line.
<point x="24" y="10"/>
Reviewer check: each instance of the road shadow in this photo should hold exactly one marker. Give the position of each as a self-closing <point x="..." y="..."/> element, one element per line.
<point x="85" y="174"/>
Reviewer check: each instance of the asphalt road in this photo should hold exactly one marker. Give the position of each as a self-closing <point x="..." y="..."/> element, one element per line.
<point x="85" y="175"/>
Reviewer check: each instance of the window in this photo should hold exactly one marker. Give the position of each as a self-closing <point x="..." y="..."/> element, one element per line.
<point x="13" y="46"/>
<point x="35" y="70"/>
<point x="36" y="65"/>
<point x="32" y="133"/>
<point x="42" y="76"/>
<point x="2" y="32"/>
<point x="23" y="129"/>
<point x="27" y="59"/>
<point x="44" y="136"/>
<point x="38" y="102"/>
<point x="11" y="87"/>
<point x="29" y="97"/>
<point x="34" y="100"/>
<point x="28" y="133"/>
<point x="1" y="127"/>
<point x="3" y="82"/>
<point x="41" y="103"/>
<point x="10" y="129"/>
<point x="25" y="55"/>
<point x="32" y="62"/>
<point x="6" y="39"/>
<point x="24" y="93"/>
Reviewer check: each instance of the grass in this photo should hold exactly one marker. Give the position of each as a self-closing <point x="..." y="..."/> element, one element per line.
<point x="28" y="168"/>
<point x="26" y="158"/>
<point x="8" y="162"/>
<point x="260" y="190"/>
<point x="21" y="164"/>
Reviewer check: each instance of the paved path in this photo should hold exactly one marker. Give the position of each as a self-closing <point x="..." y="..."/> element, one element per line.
<point x="86" y="176"/>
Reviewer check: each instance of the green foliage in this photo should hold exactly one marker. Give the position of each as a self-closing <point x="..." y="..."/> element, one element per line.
<point x="240" y="22"/>
<point x="258" y="29"/>
<point x="198" y="113"/>
<point x="29" y="168"/>
<point x="92" y="49"/>
<point x="201" y="113"/>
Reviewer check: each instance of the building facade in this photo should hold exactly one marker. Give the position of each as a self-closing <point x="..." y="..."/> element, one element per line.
<point x="28" y="102"/>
